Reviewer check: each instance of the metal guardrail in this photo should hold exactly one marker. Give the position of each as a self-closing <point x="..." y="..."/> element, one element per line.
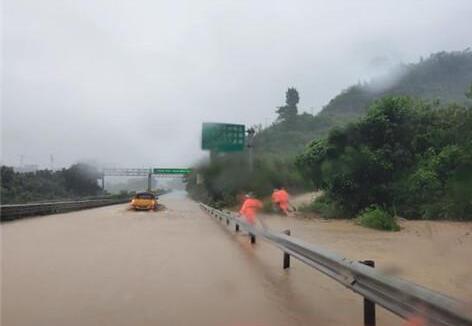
<point x="18" y="211"/>
<point x="403" y="298"/>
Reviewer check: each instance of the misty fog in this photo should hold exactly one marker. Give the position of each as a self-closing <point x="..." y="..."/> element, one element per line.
<point x="128" y="83"/>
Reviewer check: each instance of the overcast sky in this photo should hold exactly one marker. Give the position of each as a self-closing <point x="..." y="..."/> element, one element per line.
<point x="128" y="83"/>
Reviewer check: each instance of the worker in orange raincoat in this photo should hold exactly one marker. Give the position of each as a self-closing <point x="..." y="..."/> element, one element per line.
<point x="280" y="199"/>
<point x="249" y="208"/>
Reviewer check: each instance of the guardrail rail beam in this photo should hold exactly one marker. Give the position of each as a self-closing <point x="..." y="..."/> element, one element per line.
<point x="403" y="298"/>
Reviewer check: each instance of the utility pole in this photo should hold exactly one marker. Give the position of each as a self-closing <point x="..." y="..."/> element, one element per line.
<point x="250" y="145"/>
<point x="51" y="159"/>
<point x="149" y="181"/>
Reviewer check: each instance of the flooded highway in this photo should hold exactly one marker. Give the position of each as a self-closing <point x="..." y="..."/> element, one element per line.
<point x="113" y="266"/>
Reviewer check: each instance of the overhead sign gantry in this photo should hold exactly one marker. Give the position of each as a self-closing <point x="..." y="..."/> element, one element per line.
<point x="143" y="172"/>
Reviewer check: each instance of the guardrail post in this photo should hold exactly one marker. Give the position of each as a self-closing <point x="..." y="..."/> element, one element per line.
<point x="286" y="255"/>
<point x="369" y="306"/>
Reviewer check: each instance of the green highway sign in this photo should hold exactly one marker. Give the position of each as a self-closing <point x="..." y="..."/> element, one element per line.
<point x="171" y="171"/>
<point x="223" y="137"/>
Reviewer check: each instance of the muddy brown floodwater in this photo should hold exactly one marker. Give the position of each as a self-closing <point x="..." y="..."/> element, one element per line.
<point x="112" y="266"/>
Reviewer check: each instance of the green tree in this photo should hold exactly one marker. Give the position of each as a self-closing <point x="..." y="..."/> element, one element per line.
<point x="289" y="111"/>
<point x="81" y="179"/>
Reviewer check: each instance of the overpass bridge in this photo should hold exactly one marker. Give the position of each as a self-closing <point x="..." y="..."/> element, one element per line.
<point x="179" y="266"/>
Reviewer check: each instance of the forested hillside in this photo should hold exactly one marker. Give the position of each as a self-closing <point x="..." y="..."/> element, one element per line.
<point x="443" y="77"/>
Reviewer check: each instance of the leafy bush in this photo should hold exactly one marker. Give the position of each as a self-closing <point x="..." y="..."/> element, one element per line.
<point x="323" y="206"/>
<point x="375" y="217"/>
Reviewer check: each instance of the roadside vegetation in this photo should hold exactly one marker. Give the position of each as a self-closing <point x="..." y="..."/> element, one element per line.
<point x="324" y="207"/>
<point x="77" y="181"/>
<point x="412" y="157"/>
<point x="408" y="156"/>
<point x="229" y="177"/>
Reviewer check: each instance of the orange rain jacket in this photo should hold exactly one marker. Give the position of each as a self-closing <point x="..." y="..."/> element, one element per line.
<point x="280" y="197"/>
<point x="249" y="209"/>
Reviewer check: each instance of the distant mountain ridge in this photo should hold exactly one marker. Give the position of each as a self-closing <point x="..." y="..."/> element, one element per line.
<point x="443" y="76"/>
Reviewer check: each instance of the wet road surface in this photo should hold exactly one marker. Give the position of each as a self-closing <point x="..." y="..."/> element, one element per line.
<point x="113" y="266"/>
